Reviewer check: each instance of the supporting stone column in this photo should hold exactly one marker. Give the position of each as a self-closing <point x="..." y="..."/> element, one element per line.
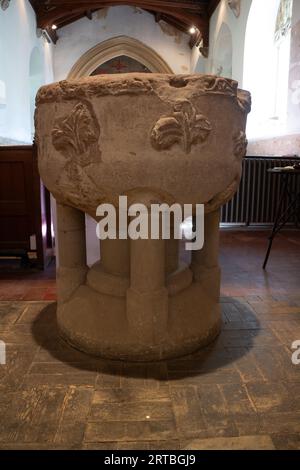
<point x="147" y="297"/>
<point x="72" y="251"/>
<point x="115" y="258"/>
<point x="205" y="262"/>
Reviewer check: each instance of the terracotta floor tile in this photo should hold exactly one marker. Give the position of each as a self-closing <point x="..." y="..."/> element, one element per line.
<point x="239" y="393"/>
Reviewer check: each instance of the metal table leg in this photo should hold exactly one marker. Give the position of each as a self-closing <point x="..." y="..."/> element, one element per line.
<point x="277" y="219"/>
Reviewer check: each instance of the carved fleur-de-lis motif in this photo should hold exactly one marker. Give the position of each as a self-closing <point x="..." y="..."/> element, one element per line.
<point x="240" y="144"/>
<point x="220" y="85"/>
<point x="77" y="133"/>
<point x="184" y="127"/>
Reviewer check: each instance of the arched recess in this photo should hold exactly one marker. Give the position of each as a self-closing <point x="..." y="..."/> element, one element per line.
<point x="222" y="57"/>
<point x="115" y="47"/>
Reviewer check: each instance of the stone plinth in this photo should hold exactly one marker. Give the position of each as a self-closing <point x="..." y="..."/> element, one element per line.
<point x="156" y="139"/>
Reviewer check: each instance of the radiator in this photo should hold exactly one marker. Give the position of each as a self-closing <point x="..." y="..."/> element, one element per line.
<point x="258" y="196"/>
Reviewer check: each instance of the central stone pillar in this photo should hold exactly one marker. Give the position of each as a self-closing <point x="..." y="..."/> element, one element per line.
<point x="147" y="297"/>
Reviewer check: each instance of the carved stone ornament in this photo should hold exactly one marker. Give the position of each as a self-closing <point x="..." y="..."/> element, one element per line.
<point x="198" y="85"/>
<point x="5" y="4"/>
<point x="224" y="196"/>
<point x="220" y="85"/>
<point x="240" y="144"/>
<point x="184" y="127"/>
<point x="77" y="134"/>
<point x="204" y="51"/>
<point x="176" y="116"/>
<point x="39" y="33"/>
<point x="244" y="100"/>
<point x="129" y="305"/>
<point x="235" y="6"/>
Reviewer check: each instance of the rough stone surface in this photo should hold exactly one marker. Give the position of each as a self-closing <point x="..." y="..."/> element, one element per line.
<point x="182" y="136"/>
<point x="155" y="138"/>
<point x="237" y="395"/>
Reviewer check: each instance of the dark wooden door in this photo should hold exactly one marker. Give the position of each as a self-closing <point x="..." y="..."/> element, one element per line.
<point x="23" y="223"/>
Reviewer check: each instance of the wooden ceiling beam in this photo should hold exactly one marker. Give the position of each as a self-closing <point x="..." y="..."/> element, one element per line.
<point x="89" y="14"/>
<point x="70" y="19"/>
<point x="180" y="13"/>
<point x="170" y="20"/>
<point x="212" y="5"/>
<point x="52" y="35"/>
<point x="190" y="5"/>
<point x="54" y="16"/>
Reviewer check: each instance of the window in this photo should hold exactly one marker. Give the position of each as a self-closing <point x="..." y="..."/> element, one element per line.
<point x="282" y="45"/>
<point x="266" y="66"/>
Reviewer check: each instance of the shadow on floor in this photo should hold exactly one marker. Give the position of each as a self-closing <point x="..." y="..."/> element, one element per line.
<point x="236" y="339"/>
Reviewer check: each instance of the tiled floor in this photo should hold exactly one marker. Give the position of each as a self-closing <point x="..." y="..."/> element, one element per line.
<point x="28" y="284"/>
<point x="242" y="255"/>
<point x="242" y="392"/>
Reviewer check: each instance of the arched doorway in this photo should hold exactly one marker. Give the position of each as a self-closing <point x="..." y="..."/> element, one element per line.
<point x="115" y="48"/>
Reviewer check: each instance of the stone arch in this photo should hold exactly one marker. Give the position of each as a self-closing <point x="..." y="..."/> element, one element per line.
<point x="111" y="48"/>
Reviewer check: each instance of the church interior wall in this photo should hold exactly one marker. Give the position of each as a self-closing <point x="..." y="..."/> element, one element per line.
<point x="77" y="38"/>
<point x="18" y="83"/>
